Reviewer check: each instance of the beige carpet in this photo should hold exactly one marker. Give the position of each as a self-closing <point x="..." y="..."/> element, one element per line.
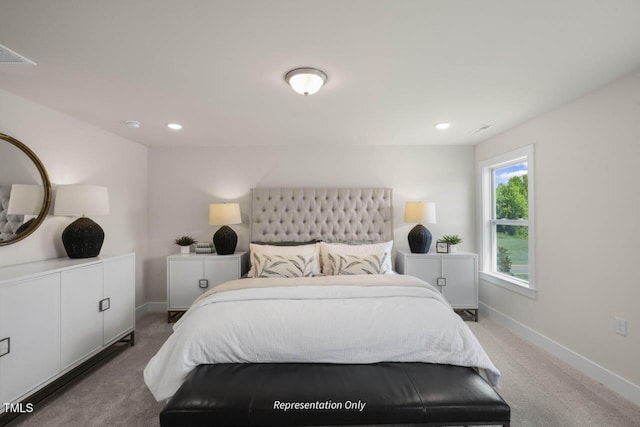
<point x="542" y="390"/>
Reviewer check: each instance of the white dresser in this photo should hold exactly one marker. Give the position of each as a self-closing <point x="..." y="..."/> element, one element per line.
<point x="56" y="314"/>
<point x="189" y="276"/>
<point x="455" y="275"/>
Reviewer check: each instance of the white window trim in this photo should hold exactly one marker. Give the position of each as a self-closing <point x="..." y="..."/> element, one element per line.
<point x="486" y="250"/>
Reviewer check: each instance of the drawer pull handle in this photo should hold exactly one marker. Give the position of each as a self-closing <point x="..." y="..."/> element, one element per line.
<point x="203" y="283"/>
<point x="441" y="281"/>
<point x="5" y="346"/>
<point x="105" y="304"/>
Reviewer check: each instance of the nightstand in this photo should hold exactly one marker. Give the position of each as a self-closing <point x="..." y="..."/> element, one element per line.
<point x="189" y="276"/>
<point x="454" y="275"/>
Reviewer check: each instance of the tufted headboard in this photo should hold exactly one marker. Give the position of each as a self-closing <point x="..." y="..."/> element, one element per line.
<point x="352" y="215"/>
<point x="8" y="223"/>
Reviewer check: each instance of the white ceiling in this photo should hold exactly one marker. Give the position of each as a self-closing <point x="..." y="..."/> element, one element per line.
<point x="395" y="67"/>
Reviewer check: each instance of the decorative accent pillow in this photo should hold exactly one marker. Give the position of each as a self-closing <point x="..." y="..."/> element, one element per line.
<point x="282" y="265"/>
<point x="306" y="251"/>
<point x="344" y="249"/>
<point x="359" y="264"/>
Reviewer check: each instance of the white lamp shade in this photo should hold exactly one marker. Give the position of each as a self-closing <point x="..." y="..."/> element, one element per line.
<point x="306" y="81"/>
<point x="25" y="199"/>
<point x="224" y="214"/>
<point x="420" y="212"/>
<point x="79" y="200"/>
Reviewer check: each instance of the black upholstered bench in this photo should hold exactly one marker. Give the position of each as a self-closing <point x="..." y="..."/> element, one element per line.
<point x="399" y="394"/>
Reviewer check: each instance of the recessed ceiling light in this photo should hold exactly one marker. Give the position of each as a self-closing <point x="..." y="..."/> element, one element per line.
<point x="132" y="124"/>
<point x="174" y="126"/>
<point x="442" y="125"/>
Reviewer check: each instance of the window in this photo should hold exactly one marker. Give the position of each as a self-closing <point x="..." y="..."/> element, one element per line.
<point x="507" y="253"/>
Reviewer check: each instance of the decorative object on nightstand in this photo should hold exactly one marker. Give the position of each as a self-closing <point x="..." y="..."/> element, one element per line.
<point x="419" y="237"/>
<point x="185" y="243"/>
<point x="204" y="247"/>
<point x="442" y="247"/>
<point x="82" y="238"/>
<point x="225" y="214"/>
<point x="452" y="240"/>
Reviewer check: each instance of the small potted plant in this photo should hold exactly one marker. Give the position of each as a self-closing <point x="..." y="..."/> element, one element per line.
<point x="185" y="243"/>
<point x="452" y="240"/>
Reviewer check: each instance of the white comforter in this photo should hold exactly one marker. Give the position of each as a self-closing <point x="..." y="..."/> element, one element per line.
<point x="332" y="319"/>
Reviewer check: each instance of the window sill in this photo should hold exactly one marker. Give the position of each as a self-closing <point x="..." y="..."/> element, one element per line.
<point x="512" y="285"/>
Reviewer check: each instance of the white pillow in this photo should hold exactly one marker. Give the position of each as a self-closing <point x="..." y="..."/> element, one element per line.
<point x="307" y="251"/>
<point x="359" y="264"/>
<point x="344" y="249"/>
<point x="283" y="265"/>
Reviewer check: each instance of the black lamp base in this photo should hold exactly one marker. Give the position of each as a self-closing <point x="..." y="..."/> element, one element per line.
<point x="419" y="239"/>
<point x="225" y="240"/>
<point x="83" y="238"/>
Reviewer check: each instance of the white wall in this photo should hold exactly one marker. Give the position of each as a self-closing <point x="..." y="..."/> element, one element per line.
<point x="182" y="183"/>
<point x="587" y="217"/>
<point x="75" y="152"/>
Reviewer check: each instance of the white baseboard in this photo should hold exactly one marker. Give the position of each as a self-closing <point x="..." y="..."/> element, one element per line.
<point x="615" y="382"/>
<point x="150" y="307"/>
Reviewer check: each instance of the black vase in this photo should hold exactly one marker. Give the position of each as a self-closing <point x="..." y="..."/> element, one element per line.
<point x="225" y="240"/>
<point x="419" y="239"/>
<point x="83" y="238"/>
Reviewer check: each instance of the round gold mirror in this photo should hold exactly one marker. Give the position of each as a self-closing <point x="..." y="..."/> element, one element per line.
<point x="25" y="191"/>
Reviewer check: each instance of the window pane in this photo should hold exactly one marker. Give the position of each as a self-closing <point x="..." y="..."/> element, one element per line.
<point x="512" y="254"/>
<point x="511" y="193"/>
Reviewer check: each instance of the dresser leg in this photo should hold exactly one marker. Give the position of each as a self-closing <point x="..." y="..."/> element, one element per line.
<point x="131" y="340"/>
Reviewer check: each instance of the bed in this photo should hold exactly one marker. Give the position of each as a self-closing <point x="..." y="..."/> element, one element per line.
<point x="368" y="346"/>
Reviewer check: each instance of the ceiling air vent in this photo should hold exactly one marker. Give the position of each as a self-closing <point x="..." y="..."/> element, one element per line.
<point x="482" y="128"/>
<point x="7" y="56"/>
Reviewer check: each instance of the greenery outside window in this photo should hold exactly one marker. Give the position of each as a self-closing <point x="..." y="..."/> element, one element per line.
<point x="507" y="221"/>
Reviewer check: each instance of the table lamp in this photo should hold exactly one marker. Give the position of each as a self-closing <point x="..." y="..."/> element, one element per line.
<point x="82" y="238"/>
<point x="225" y="239"/>
<point x="419" y="237"/>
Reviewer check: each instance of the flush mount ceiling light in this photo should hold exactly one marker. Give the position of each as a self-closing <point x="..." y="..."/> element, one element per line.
<point x="442" y="125"/>
<point x="306" y="81"/>
<point x="174" y="126"/>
